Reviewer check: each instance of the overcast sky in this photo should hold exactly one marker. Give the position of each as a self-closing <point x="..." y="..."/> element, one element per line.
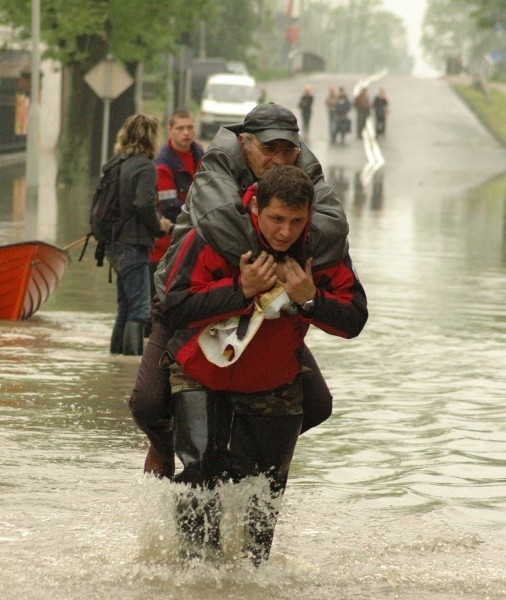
<point x="412" y="11"/>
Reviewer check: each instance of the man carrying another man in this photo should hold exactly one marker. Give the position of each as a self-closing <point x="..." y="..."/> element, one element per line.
<point x="277" y="295"/>
<point x="237" y="157"/>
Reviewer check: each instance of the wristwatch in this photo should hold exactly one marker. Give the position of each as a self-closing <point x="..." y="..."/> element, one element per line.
<point x="308" y="306"/>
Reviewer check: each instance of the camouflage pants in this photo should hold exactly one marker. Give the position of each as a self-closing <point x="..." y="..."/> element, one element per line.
<point x="283" y="401"/>
<point x="263" y="429"/>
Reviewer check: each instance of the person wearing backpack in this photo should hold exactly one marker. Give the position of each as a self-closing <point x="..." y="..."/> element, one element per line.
<point x="136" y="146"/>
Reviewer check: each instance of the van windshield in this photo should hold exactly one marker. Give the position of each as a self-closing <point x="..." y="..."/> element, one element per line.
<point x="230" y="93"/>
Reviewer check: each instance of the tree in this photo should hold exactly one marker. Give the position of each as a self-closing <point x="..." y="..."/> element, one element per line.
<point x="447" y="32"/>
<point x="81" y="34"/>
<point x="355" y="37"/>
<point x="463" y="30"/>
<point x="234" y="30"/>
<point x="490" y="16"/>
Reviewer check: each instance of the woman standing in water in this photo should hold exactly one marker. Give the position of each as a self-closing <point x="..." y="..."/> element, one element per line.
<point x="136" y="146"/>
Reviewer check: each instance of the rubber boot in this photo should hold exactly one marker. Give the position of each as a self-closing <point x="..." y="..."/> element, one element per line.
<point x="133" y="338"/>
<point x="160" y="457"/>
<point x="151" y="404"/>
<point x="202" y="424"/>
<point x="202" y="429"/>
<point x="259" y="524"/>
<point x="263" y="444"/>
<point x="117" y="340"/>
<point x="159" y="466"/>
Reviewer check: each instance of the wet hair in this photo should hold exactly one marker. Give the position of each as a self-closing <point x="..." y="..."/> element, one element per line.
<point x="287" y="183"/>
<point x="138" y="135"/>
<point x="181" y="113"/>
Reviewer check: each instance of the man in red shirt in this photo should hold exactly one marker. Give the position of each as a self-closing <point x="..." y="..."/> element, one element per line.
<point x="176" y="165"/>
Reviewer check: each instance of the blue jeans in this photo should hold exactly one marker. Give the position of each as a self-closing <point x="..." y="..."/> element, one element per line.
<point x="131" y="265"/>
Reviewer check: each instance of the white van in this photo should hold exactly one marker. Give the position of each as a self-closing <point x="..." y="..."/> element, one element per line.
<point x="226" y="100"/>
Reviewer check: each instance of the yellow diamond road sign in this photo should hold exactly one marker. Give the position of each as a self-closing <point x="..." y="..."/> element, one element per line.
<point x="109" y="79"/>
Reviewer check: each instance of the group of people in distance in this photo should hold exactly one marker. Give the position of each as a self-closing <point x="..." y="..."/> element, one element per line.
<point x="258" y="252"/>
<point x="363" y="108"/>
<point x="339" y="105"/>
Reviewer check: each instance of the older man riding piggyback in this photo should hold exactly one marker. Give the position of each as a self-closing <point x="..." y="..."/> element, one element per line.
<point x="237" y="157"/>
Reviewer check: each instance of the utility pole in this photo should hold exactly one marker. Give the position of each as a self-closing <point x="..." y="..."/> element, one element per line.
<point x="202" y="39"/>
<point x="32" y="149"/>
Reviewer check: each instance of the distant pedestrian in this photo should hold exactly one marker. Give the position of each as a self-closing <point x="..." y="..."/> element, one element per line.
<point x="380" y="105"/>
<point x="264" y="96"/>
<point x="363" y="108"/>
<point x="342" y="123"/>
<point x="306" y="109"/>
<point x="331" y="104"/>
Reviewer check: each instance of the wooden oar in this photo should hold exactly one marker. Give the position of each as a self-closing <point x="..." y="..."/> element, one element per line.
<point x="75" y="244"/>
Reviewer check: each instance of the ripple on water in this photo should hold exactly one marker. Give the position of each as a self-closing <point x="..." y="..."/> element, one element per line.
<point x="126" y="547"/>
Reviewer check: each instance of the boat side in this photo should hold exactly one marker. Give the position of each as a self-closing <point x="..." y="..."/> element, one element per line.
<point x="29" y="273"/>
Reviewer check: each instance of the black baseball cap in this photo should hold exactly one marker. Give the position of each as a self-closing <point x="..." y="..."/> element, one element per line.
<point x="269" y="122"/>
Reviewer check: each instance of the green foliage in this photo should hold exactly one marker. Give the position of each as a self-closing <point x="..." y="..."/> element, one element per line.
<point x="490" y="110"/>
<point x="488" y="13"/>
<point x="230" y="30"/>
<point x="493" y="191"/>
<point x="464" y="29"/>
<point x="18" y="14"/>
<point x="270" y="74"/>
<point x="357" y="37"/>
<point x="66" y="24"/>
<point x="80" y="33"/>
<point x="132" y="30"/>
<point x="448" y="31"/>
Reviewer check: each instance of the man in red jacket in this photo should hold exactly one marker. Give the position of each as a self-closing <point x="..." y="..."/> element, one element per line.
<point x="235" y="369"/>
<point x="176" y="165"/>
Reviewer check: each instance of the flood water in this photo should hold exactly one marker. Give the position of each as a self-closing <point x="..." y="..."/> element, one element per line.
<point x="401" y="494"/>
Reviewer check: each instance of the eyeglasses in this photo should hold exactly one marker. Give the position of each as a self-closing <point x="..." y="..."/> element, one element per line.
<point x="271" y="149"/>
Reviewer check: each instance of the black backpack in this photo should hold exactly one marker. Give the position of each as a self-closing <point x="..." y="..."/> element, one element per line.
<point x="105" y="215"/>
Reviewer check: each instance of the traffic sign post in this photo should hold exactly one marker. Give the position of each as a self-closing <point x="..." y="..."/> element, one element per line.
<point x="108" y="79"/>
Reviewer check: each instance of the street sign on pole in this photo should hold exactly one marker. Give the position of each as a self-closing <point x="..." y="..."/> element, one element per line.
<point x="108" y="79"/>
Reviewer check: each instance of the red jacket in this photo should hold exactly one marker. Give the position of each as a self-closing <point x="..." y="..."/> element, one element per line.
<point x="175" y="172"/>
<point x="203" y="288"/>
